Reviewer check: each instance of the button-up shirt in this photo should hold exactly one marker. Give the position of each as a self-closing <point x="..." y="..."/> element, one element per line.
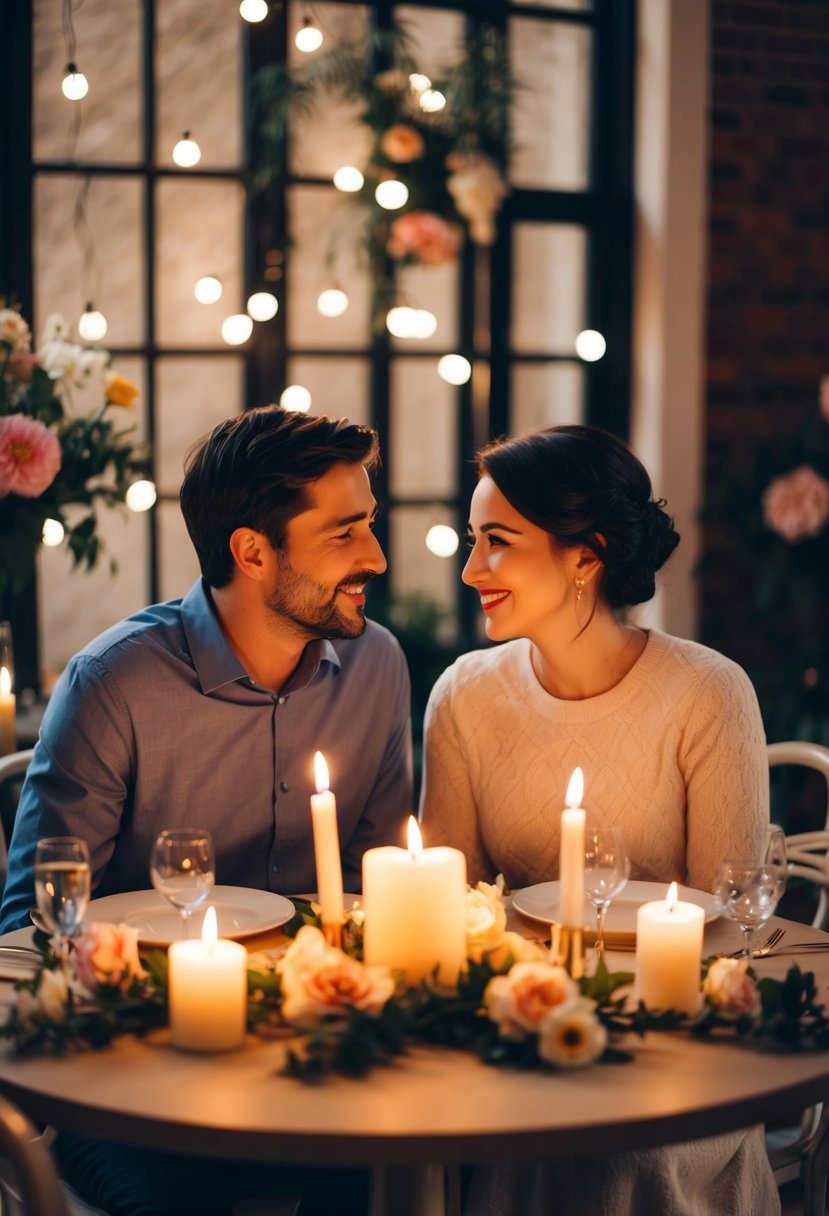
<point x="156" y="724"/>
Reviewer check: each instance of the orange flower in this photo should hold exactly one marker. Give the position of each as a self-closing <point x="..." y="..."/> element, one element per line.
<point x="402" y="143"/>
<point x="120" y="391"/>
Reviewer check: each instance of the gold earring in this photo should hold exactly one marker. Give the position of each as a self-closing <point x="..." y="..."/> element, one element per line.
<point x="579" y="589"/>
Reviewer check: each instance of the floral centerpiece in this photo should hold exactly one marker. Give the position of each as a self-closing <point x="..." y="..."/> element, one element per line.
<point x="61" y="451"/>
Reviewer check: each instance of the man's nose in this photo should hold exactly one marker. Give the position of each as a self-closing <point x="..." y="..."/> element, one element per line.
<point x="374" y="558"/>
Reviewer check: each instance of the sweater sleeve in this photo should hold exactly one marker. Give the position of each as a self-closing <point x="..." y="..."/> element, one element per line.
<point x="726" y="775"/>
<point x="448" y="809"/>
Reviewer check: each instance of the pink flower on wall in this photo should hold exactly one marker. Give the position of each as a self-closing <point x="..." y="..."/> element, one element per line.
<point x="824" y="397"/>
<point x="796" y="505"/>
<point x="30" y="456"/>
<point x="424" y="236"/>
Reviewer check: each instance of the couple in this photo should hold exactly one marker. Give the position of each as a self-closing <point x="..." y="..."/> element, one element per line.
<point x="209" y="709"/>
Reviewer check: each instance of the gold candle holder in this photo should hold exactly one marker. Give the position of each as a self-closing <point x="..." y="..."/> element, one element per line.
<point x="567" y="950"/>
<point x="332" y="931"/>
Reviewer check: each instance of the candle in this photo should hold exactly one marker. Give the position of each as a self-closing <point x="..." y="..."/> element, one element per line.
<point x="8" y="738"/>
<point x="208" y="991"/>
<point x="326" y="846"/>
<point x="415" y="906"/>
<point x="571" y="855"/>
<point x="669" y="953"/>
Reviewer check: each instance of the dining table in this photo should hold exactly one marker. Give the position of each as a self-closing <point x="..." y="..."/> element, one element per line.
<point x="432" y="1107"/>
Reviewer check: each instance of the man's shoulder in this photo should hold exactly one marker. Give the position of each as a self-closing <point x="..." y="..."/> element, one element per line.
<point x="375" y="644"/>
<point x="154" y="629"/>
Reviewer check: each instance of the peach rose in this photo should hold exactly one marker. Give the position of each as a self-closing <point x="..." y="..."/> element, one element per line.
<point x="796" y="505"/>
<point x="107" y="956"/>
<point x="424" y="236"/>
<point x="402" y="143"/>
<point x="319" y="981"/>
<point x="730" y="990"/>
<point x="519" y="1001"/>
<point x="13" y="330"/>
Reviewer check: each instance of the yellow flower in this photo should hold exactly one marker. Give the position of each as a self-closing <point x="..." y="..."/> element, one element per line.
<point x="120" y="391"/>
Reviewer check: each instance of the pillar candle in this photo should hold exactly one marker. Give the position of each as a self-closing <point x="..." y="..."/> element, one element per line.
<point x="208" y="991"/>
<point x="8" y="737"/>
<point x="415" y="909"/>
<point x="571" y="855"/>
<point x="669" y="953"/>
<point x="327" y="846"/>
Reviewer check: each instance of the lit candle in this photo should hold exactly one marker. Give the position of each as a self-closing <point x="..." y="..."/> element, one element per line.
<point x="415" y="909"/>
<point x="326" y="846"/>
<point x="669" y="953"/>
<point x="571" y="855"/>
<point x="208" y="991"/>
<point x="8" y="738"/>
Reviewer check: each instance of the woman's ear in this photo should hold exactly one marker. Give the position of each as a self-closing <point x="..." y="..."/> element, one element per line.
<point x="587" y="565"/>
<point x="248" y="549"/>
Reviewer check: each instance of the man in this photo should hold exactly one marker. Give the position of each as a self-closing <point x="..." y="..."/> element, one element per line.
<point x="207" y="711"/>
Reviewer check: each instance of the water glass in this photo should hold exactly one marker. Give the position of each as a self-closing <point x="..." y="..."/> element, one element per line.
<point x="63" y="883"/>
<point x="606" y="871"/>
<point x="774" y="856"/>
<point x="183" y="870"/>
<point x="748" y="894"/>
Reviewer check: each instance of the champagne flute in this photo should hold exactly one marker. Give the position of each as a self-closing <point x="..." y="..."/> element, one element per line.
<point x="774" y="856"/>
<point x="606" y="871"/>
<point x="183" y="870"/>
<point x="748" y="894"/>
<point x="63" y="883"/>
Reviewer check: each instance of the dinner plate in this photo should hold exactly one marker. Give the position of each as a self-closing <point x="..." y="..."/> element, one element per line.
<point x="541" y="903"/>
<point x="240" y="912"/>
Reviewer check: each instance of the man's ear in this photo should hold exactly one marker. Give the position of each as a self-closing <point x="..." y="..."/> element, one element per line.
<point x="249" y="552"/>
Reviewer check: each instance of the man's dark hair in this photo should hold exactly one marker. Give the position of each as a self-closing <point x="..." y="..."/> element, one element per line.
<point x="251" y="472"/>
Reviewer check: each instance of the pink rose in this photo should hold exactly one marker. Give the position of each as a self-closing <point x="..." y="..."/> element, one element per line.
<point x="424" y="236"/>
<point x="107" y="956"/>
<point x="319" y="981"/>
<point x="730" y="990"/>
<point x="796" y="505"/>
<point x="30" y="456"/>
<point x="520" y="1001"/>
<point x="402" y="143"/>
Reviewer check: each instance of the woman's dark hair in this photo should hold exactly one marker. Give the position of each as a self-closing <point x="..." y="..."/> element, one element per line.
<point x="251" y="471"/>
<point x="586" y="487"/>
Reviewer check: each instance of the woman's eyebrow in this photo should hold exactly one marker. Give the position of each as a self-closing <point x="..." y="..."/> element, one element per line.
<point x="501" y="528"/>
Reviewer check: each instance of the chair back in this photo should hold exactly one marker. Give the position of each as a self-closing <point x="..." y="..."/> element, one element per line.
<point x="29" y="1178"/>
<point x="808" y="852"/>
<point x="12" y="768"/>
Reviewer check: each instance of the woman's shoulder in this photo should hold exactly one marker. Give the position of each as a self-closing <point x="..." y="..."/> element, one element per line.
<point x="698" y="664"/>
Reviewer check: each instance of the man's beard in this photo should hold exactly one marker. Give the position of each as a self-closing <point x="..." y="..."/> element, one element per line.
<point x="310" y="606"/>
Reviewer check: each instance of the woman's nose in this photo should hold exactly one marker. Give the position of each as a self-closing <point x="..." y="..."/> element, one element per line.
<point x="474" y="565"/>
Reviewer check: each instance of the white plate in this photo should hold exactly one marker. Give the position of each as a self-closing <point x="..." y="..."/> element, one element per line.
<point x="541" y="903"/>
<point x="240" y="911"/>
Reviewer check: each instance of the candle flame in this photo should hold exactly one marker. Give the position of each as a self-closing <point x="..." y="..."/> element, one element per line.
<point x="414" y="838"/>
<point x="575" y="789"/>
<point x="5" y="681"/>
<point x="320" y="772"/>
<point x="210" y="928"/>
<point x="672" y="896"/>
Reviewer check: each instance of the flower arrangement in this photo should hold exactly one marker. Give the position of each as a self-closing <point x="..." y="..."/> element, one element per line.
<point x="443" y="142"/>
<point x="60" y="452"/>
<point x="512" y="1005"/>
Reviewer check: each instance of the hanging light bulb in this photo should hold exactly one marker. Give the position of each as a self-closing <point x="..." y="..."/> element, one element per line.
<point x="309" y="38"/>
<point x="208" y="289"/>
<point x="75" y="86"/>
<point x="424" y="323"/>
<point x="187" y="152"/>
<point x="92" y="325"/>
<point x="419" y="83"/>
<point x="348" y="179"/>
<point x="53" y="533"/>
<point x="141" y="495"/>
<point x="262" y="306"/>
<point x="442" y="540"/>
<point x="454" y="369"/>
<point x="392" y="194"/>
<point x="431" y="101"/>
<point x="297" y="398"/>
<point x="332" y="302"/>
<point x="400" y="321"/>
<point x="253" y="10"/>
<point x="237" y="329"/>
<point x="590" y="345"/>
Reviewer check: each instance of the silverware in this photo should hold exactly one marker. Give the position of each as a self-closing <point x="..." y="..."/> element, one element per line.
<point x="766" y="947"/>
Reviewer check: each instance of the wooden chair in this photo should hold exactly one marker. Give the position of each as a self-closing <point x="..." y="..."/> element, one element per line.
<point x="12" y="769"/>
<point x="29" y="1182"/>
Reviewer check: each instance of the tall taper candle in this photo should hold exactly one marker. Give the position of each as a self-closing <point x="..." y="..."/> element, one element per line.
<point x="571" y="855"/>
<point x="327" y="847"/>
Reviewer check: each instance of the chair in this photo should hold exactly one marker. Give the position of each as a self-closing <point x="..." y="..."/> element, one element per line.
<point x="806" y="1156"/>
<point x="12" y="769"/>
<point x="29" y="1181"/>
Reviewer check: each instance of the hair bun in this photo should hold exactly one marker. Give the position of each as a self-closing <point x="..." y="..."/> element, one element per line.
<point x="630" y="578"/>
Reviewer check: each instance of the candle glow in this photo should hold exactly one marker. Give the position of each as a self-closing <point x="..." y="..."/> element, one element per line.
<point x="327" y="846"/>
<point x="8" y="734"/>
<point x="208" y="991"/>
<point x="669" y="953"/>
<point x="571" y="855"/>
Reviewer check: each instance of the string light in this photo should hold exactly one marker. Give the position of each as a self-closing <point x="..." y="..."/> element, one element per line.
<point x="405" y="322"/>
<point x="590" y="345"/>
<point x="454" y="369"/>
<point x="442" y="540"/>
<point x="419" y="83"/>
<point x="253" y="10"/>
<point x="332" y="302"/>
<point x="75" y="86"/>
<point x="208" y="289"/>
<point x="392" y="194"/>
<point x="297" y="398"/>
<point x="348" y="179"/>
<point x="141" y="495"/>
<point x="237" y="328"/>
<point x="431" y="101"/>
<point x="92" y="325"/>
<point x="187" y="152"/>
<point x="262" y="306"/>
<point x="309" y="38"/>
<point x="53" y="533"/>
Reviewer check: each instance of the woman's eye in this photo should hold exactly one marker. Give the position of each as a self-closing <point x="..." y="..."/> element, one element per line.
<point x="495" y="540"/>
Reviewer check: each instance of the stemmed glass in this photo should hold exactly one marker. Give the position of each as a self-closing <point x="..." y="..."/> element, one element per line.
<point x="748" y="893"/>
<point x="606" y="871"/>
<point x="62" y="887"/>
<point x="774" y="856"/>
<point x="183" y="870"/>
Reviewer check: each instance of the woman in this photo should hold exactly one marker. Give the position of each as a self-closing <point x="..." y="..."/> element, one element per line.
<point x="565" y="534"/>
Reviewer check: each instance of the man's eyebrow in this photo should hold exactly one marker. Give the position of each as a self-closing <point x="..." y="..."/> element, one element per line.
<point x="494" y="524"/>
<point x="351" y="519"/>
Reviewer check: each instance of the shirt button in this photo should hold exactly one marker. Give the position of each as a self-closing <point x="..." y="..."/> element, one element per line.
<point x="283" y="785"/>
<point x="274" y="869"/>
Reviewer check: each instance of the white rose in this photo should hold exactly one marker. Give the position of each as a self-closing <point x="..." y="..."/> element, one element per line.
<point x="520" y="1001"/>
<point x="730" y="990"/>
<point x="52" y="995"/>
<point x="478" y="188"/>
<point x="571" y="1035"/>
<point x="319" y="981"/>
<point x="513" y="948"/>
<point x="486" y="920"/>
<point x="56" y="329"/>
<point x="59" y="359"/>
<point x="14" y="330"/>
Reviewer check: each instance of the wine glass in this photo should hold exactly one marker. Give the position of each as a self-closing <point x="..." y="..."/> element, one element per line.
<point x="748" y="893"/>
<point x="183" y="870"/>
<point x="774" y="856"/>
<point x="606" y="871"/>
<point x="63" y="883"/>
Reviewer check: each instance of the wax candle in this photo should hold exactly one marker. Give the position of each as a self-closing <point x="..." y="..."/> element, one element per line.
<point x="571" y="855"/>
<point x="8" y="738"/>
<point x="415" y="908"/>
<point x="669" y="953"/>
<point x="326" y="846"/>
<point x="208" y="991"/>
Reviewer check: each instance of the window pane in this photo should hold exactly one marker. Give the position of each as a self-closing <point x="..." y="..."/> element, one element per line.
<point x="545" y="394"/>
<point x="192" y="396"/>
<point x="412" y="568"/>
<point x="548" y="286"/>
<point x="320" y="221"/>
<point x="434" y="288"/>
<point x="338" y="387"/>
<point x="199" y="231"/>
<point x="423" y="429"/>
<point x="178" y="566"/>
<point x="107" y="34"/>
<point x="109" y="271"/>
<point x="551" y="63"/>
<point x="437" y="36"/>
<point x="581" y="5"/>
<point x="198" y="57"/>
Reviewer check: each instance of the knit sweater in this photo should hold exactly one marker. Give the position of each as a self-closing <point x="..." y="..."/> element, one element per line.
<point x="674" y="755"/>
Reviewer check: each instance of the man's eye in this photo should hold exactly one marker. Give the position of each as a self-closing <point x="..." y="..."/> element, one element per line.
<point x="343" y="535"/>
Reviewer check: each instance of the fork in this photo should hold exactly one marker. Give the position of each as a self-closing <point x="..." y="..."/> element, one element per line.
<point x="765" y="947"/>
